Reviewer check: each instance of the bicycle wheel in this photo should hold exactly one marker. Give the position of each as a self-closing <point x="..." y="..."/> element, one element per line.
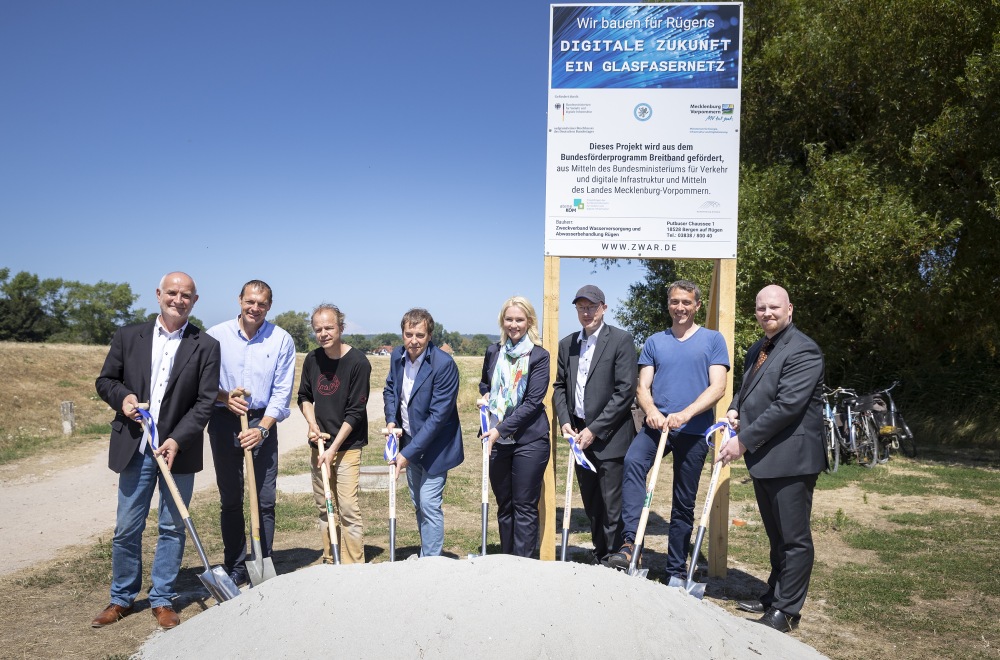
<point x="867" y="440"/>
<point x="883" y="448"/>
<point x="907" y="444"/>
<point x="832" y="447"/>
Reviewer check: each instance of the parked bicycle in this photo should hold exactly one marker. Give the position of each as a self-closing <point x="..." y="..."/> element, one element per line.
<point x="833" y="439"/>
<point x="894" y="433"/>
<point x="850" y="432"/>
<point x="863" y="428"/>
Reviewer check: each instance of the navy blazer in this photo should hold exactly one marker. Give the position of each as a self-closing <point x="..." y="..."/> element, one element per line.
<point x="187" y="403"/>
<point x="436" y="440"/>
<point x="781" y="409"/>
<point x="608" y="394"/>
<point x="528" y="421"/>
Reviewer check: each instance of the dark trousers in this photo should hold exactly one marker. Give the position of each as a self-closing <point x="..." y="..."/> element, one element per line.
<point x="223" y="429"/>
<point x="516" y="477"/>
<point x="602" y="500"/>
<point x="785" y="505"/>
<point x="689" y="460"/>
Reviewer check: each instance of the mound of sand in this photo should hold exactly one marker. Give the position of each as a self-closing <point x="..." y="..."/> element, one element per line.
<point x="489" y="607"/>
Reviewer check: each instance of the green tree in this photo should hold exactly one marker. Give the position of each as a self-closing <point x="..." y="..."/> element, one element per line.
<point x="297" y="325"/>
<point x="92" y="312"/>
<point x="387" y="339"/>
<point x="475" y="345"/>
<point x="25" y="307"/>
<point x="870" y="189"/>
<point x="360" y="342"/>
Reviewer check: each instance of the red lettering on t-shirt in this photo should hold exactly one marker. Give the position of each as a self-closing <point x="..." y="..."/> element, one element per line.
<point x="326" y="385"/>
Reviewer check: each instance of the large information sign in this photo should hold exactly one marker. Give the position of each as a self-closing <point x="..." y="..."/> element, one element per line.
<point x="643" y="139"/>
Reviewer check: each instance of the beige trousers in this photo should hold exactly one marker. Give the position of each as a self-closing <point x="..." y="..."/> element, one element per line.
<point x="344" y="472"/>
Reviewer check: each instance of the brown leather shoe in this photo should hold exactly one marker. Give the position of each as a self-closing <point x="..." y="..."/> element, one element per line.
<point x="166" y="617"/>
<point x="110" y="614"/>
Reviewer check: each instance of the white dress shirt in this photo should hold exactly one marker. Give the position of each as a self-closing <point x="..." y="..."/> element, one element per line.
<point x="410" y="370"/>
<point x="165" y="345"/>
<point x="583" y="369"/>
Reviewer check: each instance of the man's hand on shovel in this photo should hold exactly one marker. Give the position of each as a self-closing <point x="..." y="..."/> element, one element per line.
<point x="399" y="461"/>
<point x="238" y="405"/>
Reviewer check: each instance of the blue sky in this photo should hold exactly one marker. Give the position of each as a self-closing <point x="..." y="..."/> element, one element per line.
<point x="379" y="156"/>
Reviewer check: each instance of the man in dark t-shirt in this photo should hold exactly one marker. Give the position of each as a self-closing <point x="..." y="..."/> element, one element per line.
<point x="333" y="395"/>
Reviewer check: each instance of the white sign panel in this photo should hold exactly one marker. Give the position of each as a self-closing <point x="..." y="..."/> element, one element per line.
<point x="643" y="131"/>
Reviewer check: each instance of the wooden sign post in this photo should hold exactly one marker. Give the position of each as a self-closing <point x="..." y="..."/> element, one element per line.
<point x="721" y="317"/>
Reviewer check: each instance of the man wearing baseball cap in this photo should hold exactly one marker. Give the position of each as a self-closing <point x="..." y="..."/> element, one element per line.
<point x="593" y="394"/>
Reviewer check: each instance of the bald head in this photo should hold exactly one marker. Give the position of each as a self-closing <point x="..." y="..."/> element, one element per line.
<point x="177" y="295"/>
<point x="773" y="310"/>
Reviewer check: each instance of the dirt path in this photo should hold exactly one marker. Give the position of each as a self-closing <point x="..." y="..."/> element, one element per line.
<point x="49" y="502"/>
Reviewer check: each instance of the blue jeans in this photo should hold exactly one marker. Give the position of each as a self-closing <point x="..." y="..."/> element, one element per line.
<point x="689" y="460"/>
<point x="135" y="492"/>
<point x="426" y="493"/>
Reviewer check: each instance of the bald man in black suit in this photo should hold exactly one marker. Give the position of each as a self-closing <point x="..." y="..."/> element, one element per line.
<point x="778" y="415"/>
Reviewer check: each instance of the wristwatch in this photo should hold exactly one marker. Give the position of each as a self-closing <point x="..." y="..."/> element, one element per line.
<point x="263" y="431"/>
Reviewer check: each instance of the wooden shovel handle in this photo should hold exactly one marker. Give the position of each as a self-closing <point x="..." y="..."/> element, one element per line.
<point x="169" y="478"/>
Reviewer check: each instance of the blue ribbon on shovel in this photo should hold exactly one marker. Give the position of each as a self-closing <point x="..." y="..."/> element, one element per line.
<point x="579" y="456"/>
<point x="151" y="425"/>
<point x="724" y="424"/>
<point x="391" y="448"/>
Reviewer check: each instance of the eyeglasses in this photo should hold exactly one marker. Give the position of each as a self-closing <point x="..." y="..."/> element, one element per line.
<point x="587" y="309"/>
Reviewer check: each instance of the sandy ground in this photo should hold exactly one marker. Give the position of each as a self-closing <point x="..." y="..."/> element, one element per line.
<point x="489" y="607"/>
<point x="50" y="502"/>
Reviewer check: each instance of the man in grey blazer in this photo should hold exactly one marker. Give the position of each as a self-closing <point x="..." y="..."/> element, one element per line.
<point x="592" y="395"/>
<point x="778" y="415"/>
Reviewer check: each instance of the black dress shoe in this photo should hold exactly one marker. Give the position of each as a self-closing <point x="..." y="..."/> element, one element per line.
<point x="754" y="606"/>
<point x="239" y="577"/>
<point x="778" y="620"/>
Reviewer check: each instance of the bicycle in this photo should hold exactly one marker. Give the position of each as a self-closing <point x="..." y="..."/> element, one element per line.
<point x="894" y="432"/>
<point x="858" y="419"/>
<point x="833" y="439"/>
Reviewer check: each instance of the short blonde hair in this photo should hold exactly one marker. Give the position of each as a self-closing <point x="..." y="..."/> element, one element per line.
<point x="529" y="311"/>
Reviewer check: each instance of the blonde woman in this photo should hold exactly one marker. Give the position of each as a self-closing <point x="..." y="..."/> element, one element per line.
<point x="514" y="381"/>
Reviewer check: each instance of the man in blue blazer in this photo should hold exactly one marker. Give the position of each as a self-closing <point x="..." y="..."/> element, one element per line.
<point x="175" y="367"/>
<point x="421" y="397"/>
<point x="778" y="414"/>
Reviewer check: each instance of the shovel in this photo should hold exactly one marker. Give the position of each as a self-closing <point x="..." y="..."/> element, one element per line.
<point x="259" y="568"/>
<point x="215" y="579"/>
<point x="484" y="425"/>
<point x="331" y="524"/>
<point x="391" y="450"/>
<point x="641" y="531"/>
<point x="697" y="589"/>
<point x="576" y="456"/>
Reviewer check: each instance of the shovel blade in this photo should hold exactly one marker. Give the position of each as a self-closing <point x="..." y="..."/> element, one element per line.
<point x="696" y="589"/>
<point x="639" y="572"/>
<point x="259" y="568"/>
<point x="219" y="584"/>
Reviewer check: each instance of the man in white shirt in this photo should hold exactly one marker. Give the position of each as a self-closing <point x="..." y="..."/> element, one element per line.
<point x="421" y="397"/>
<point x="175" y="367"/>
<point x="593" y="394"/>
<point x="258" y="357"/>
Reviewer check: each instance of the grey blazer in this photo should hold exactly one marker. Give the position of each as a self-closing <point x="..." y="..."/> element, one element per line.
<point x="609" y="393"/>
<point x="781" y="410"/>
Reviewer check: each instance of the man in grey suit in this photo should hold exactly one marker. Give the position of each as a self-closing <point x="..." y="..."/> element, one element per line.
<point x="778" y="415"/>
<point x="593" y="394"/>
